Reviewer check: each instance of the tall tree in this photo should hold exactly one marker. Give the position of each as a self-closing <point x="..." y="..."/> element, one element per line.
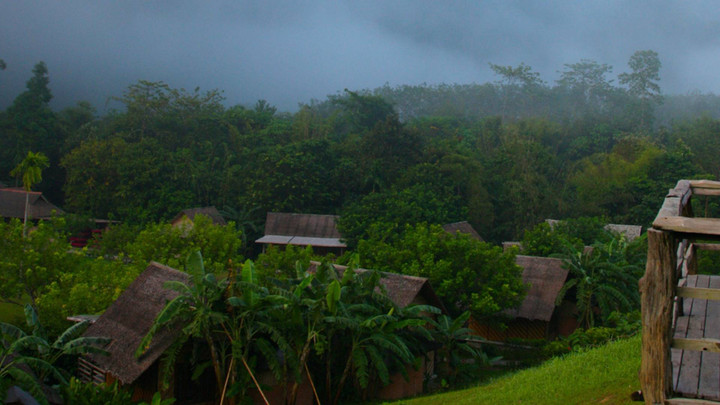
<point x="642" y="83"/>
<point x="30" y="169"/>
<point x="519" y="87"/>
<point x="589" y="88"/>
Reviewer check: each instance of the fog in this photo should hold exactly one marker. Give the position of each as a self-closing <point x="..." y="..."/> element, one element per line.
<point x="289" y="52"/>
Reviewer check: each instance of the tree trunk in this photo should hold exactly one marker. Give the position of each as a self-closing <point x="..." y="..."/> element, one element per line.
<point x="345" y="373"/>
<point x="215" y="361"/>
<point x="303" y="364"/>
<point x="27" y="204"/>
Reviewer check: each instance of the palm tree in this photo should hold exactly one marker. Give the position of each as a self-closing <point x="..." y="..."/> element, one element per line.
<point x="200" y="308"/>
<point x="455" y="348"/>
<point x="29" y="360"/>
<point x="603" y="279"/>
<point x="30" y="169"/>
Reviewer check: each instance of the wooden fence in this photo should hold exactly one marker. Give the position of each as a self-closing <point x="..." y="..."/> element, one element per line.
<point x="673" y="244"/>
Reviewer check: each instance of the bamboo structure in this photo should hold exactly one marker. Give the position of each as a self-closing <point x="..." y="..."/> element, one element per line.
<point x="681" y="310"/>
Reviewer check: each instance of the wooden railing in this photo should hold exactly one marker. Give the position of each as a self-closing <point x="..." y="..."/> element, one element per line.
<point x="672" y="256"/>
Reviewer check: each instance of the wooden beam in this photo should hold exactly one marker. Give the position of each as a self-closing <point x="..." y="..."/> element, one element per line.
<point x="690" y="401"/>
<point x="697" y="292"/>
<point x="704" y="184"/>
<point x="657" y="288"/>
<point x="699" y="345"/>
<point x="706" y="191"/>
<point x="707" y="246"/>
<point x="686" y="225"/>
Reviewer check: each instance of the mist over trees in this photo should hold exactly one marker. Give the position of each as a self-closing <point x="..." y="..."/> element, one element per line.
<point x="502" y="155"/>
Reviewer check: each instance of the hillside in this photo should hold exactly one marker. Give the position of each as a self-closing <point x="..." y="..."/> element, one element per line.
<point x="605" y="375"/>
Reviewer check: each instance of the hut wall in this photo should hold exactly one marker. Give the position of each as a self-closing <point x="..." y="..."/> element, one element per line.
<point x="516" y="329"/>
<point x="413" y="386"/>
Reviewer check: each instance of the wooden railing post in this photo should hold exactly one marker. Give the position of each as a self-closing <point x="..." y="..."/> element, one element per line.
<point x="657" y="290"/>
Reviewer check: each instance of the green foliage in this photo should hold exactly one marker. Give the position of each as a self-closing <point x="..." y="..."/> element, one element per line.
<point x="90" y="288"/>
<point x="77" y="392"/>
<point x="30" y="169"/>
<point x="603" y="279"/>
<point x="467" y="274"/>
<point x="544" y="240"/>
<point x="380" y="212"/>
<point x="29" y="264"/>
<point x="548" y="240"/>
<point x="32" y="361"/>
<point x="157" y="399"/>
<point x="163" y="243"/>
<point x="456" y="361"/>
<point x="619" y="326"/>
<point x="198" y="307"/>
<point x="280" y="263"/>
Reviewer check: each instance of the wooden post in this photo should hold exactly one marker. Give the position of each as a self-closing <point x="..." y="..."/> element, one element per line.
<point x="657" y="290"/>
<point x="691" y="260"/>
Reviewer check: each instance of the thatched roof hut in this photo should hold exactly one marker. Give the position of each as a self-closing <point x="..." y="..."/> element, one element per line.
<point x="402" y="289"/>
<point x="12" y="204"/>
<point x="318" y="231"/>
<point x="536" y="317"/>
<point x="188" y="215"/>
<point x="545" y="277"/>
<point x="129" y="319"/>
<point x="462" y="227"/>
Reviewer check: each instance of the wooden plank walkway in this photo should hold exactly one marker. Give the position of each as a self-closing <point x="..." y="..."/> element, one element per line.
<point x="697" y="374"/>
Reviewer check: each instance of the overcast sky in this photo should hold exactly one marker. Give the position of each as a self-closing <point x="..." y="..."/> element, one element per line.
<point x="289" y="52"/>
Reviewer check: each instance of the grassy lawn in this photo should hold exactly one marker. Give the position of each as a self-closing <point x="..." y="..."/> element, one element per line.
<point x="606" y="375"/>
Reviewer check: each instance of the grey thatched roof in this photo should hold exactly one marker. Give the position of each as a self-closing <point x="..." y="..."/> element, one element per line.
<point x="301" y="229"/>
<point x="631" y="231"/>
<point x="402" y="289"/>
<point x="210" y="212"/>
<point x="12" y="204"/>
<point x="462" y="227"/>
<point x="129" y="319"/>
<point x="545" y="277"/>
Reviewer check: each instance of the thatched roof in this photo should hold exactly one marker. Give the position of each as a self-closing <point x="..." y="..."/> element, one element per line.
<point x="631" y="231"/>
<point x="129" y="319"/>
<point x="12" y="204"/>
<point x="210" y="212"/>
<point x="301" y="229"/>
<point x="545" y="277"/>
<point x="402" y="289"/>
<point x="462" y="227"/>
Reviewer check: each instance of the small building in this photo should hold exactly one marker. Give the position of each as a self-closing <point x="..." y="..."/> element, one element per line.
<point x="462" y="227"/>
<point x="12" y="204"/>
<point x="537" y="316"/>
<point x="187" y="216"/>
<point x="402" y="289"/>
<point x="318" y="231"/>
<point x="126" y="322"/>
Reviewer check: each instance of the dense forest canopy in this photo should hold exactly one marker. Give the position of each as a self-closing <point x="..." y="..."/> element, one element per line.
<point x="502" y="155"/>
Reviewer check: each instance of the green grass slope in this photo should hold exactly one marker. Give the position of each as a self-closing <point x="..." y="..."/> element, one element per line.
<point x="605" y="375"/>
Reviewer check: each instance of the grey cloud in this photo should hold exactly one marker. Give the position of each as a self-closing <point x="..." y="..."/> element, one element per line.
<point x="292" y="51"/>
